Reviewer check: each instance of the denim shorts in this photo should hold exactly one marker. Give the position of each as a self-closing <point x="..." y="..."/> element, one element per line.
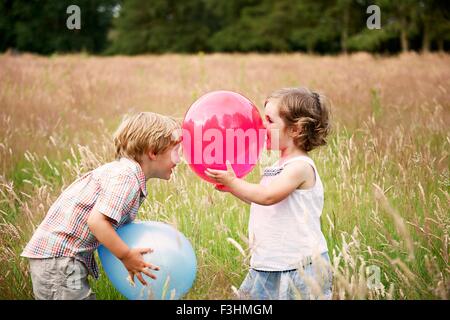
<point x="313" y="281"/>
<point x="62" y="278"/>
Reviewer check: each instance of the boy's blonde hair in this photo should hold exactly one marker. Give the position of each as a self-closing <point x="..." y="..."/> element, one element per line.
<point x="144" y="132"/>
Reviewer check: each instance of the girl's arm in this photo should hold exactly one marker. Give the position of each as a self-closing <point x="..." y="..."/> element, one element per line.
<point x="289" y="179"/>
<point x="223" y="188"/>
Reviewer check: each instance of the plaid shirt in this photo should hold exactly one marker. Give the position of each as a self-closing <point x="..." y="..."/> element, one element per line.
<point x="116" y="189"/>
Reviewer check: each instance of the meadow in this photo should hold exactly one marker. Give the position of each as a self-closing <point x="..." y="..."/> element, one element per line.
<point x="385" y="169"/>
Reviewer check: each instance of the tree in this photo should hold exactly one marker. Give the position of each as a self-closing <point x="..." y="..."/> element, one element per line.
<point x="343" y="8"/>
<point x="22" y="20"/>
<point x="434" y="19"/>
<point x="400" y="17"/>
<point x="325" y="26"/>
<point x="6" y="25"/>
<point x="311" y="26"/>
<point x="162" y="26"/>
<point x="246" y="30"/>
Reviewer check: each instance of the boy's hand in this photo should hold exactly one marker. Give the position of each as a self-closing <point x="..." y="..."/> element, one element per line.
<point x="135" y="264"/>
<point x="222" y="177"/>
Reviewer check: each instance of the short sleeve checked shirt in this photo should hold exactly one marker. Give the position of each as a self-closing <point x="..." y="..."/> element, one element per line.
<point x="116" y="189"/>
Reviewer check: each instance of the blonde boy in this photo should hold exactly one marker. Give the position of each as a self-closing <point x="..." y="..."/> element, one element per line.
<point x="87" y="213"/>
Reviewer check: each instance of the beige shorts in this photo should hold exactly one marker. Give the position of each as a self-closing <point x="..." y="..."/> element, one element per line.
<point x="62" y="278"/>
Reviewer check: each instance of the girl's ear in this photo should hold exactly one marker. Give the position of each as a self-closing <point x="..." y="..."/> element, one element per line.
<point x="294" y="131"/>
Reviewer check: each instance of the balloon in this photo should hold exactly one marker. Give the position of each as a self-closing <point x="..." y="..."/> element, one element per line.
<point x="221" y="126"/>
<point x="172" y="252"/>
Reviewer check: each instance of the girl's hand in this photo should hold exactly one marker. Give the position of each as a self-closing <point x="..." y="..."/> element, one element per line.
<point x="221" y="188"/>
<point x="222" y="177"/>
<point x="135" y="264"/>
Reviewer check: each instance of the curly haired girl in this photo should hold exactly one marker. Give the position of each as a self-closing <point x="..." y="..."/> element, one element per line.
<point x="289" y="255"/>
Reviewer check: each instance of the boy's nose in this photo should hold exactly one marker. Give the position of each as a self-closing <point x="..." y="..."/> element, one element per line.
<point x="176" y="159"/>
<point x="175" y="156"/>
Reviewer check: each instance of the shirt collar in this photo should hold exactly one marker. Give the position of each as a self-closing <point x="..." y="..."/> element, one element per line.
<point x="137" y="170"/>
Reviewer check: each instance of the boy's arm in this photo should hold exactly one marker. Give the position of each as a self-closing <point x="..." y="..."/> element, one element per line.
<point x="101" y="228"/>
<point x="289" y="179"/>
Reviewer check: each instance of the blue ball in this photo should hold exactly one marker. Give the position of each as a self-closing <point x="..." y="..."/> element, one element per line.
<point x="172" y="252"/>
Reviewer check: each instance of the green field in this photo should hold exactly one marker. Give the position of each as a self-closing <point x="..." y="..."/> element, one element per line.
<point x="385" y="169"/>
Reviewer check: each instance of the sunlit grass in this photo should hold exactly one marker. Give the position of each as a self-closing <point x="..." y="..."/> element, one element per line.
<point x="385" y="169"/>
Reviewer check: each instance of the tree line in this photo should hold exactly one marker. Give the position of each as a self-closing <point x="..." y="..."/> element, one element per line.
<point x="186" y="26"/>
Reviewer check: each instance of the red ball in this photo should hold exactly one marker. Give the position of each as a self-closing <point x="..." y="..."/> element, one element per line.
<point x="222" y="126"/>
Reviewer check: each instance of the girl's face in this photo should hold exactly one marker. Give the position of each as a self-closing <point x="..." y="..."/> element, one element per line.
<point x="277" y="137"/>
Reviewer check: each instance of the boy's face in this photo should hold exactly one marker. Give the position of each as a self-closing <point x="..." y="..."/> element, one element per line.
<point x="165" y="162"/>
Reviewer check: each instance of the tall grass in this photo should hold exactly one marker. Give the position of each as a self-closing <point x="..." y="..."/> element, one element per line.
<point x="385" y="170"/>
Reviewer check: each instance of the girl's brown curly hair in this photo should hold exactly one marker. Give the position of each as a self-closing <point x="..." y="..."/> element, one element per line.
<point x="306" y="113"/>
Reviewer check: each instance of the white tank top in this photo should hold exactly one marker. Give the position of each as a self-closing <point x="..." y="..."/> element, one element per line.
<point x="282" y="235"/>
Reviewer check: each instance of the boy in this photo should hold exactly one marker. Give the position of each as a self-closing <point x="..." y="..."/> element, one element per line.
<point x="87" y="213"/>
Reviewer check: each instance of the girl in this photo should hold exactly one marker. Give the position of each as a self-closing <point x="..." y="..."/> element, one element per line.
<point x="289" y="255"/>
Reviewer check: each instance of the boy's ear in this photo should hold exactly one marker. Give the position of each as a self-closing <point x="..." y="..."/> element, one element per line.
<point x="151" y="155"/>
